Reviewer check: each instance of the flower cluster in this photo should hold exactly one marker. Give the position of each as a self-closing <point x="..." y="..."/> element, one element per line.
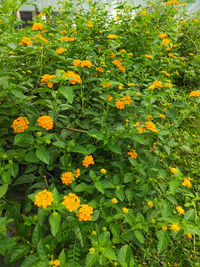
<point x="148" y="56"/>
<point x="72" y="202"/>
<point x="82" y="63"/>
<point x="194" y="93"/>
<point x="120" y="103"/>
<point x="73" y="77"/>
<point x="112" y="36"/>
<point x="46" y="122"/>
<point x="187" y="182"/>
<point x="165" y="41"/>
<point x="39" y="36"/>
<point x="175" y="227"/>
<point x="156" y="84"/>
<point x="77" y="173"/>
<point x="85" y="212"/>
<point x="174" y="170"/>
<point x="106" y="84"/>
<point x="37" y="26"/>
<point x="133" y="154"/>
<point x="67" y="178"/>
<point x="25" y="40"/>
<point x="46" y="79"/>
<point x="114" y="200"/>
<point x="173" y="2"/>
<point x="150" y="204"/>
<point x="166" y="73"/>
<point x="61" y="50"/>
<point x="20" y="124"/>
<point x="100" y="69"/>
<point x="44" y="199"/>
<point x="151" y="126"/>
<point x="66" y="38"/>
<point x="88" y="160"/>
<point x="119" y="65"/>
<point x="180" y="210"/>
<point x="162" y="35"/>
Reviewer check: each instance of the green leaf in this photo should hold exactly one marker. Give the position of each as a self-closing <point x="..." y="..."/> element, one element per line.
<point x="120" y="194"/>
<point x="95" y="215"/>
<point x="82" y="187"/>
<point x="139" y="235"/>
<point x="5" y="244"/>
<point x="3" y="190"/>
<point x="124" y="254"/>
<point x="98" y="185"/>
<point x="109" y="253"/>
<point x="163" y="240"/>
<point x="79" y="235"/>
<point x="139" y="139"/>
<point x="190" y="215"/>
<point x="25" y="179"/>
<point x="96" y="134"/>
<point x="29" y="261"/>
<point x="43" y="154"/>
<point x="129" y="194"/>
<point x="128" y="177"/>
<point x="62" y="258"/>
<point x="115" y="148"/>
<point x="68" y="93"/>
<point x="14" y="169"/>
<point x="17" y="252"/>
<point x="91" y="259"/>
<point x="104" y="238"/>
<point x="59" y="144"/>
<point x="173" y="185"/>
<point x="54" y="221"/>
<point x="79" y="149"/>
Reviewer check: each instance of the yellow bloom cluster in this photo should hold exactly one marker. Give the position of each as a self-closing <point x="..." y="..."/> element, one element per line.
<point x="180" y="210"/>
<point x="67" y="178"/>
<point x="120" y="103"/>
<point x="114" y="200"/>
<point x="162" y="35"/>
<point x="84" y="213"/>
<point x="173" y="2"/>
<point x="133" y="154"/>
<point x="106" y="84"/>
<point x="72" y="202"/>
<point x="194" y="93"/>
<point x="73" y="77"/>
<point x="46" y="122"/>
<point x="175" y="227"/>
<point x="20" y="124"/>
<point x="88" y="160"/>
<point x="174" y="170"/>
<point x="39" y="36"/>
<point x="119" y="65"/>
<point x="150" y="204"/>
<point x="189" y="236"/>
<point x="148" y="56"/>
<point x="25" y="40"/>
<point x="100" y="69"/>
<point x="37" y="26"/>
<point x="166" y="73"/>
<point x="61" y="50"/>
<point x="82" y="63"/>
<point x="45" y="79"/>
<point x="44" y="199"/>
<point x="165" y="41"/>
<point x="156" y="84"/>
<point x="66" y="38"/>
<point x="187" y="182"/>
<point x="112" y="36"/>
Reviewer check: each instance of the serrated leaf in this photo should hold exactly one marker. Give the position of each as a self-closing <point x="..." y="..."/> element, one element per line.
<point x="30" y="261"/>
<point x="5" y="244"/>
<point x="139" y="235"/>
<point x="17" y="252"/>
<point x="54" y="221"/>
<point x="3" y="190"/>
<point x="163" y="240"/>
<point x="109" y="253"/>
<point x="43" y="154"/>
<point x="124" y="254"/>
<point x="91" y="260"/>
<point x="68" y="93"/>
<point x="115" y="148"/>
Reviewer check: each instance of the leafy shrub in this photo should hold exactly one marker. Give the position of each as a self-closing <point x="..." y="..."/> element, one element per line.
<point x="98" y="119"/>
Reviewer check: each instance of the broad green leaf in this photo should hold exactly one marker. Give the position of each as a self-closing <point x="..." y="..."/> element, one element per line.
<point x="5" y="244"/>
<point x="120" y="194"/>
<point x="82" y="187"/>
<point x="109" y="253"/>
<point x="139" y="139"/>
<point x="139" y="235"/>
<point x="95" y="215"/>
<point x="68" y="93"/>
<point x="14" y="169"/>
<point x="62" y="258"/>
<point x="3" y="190"/>
<point x="25" y="179"/>
<point x="104" y="238"/>
<point x="43" y="154"/>
<point x="190" y="215"/>
<point x="79" y="149"/>
<point x="98" y="185"/>
<point x="30" y="261"/>
<point x="163" y="240"/>
<point x="115" y="148"/>
<point x="91" y="260"/>
<point x="79" y="235"/>
<point x="96" y="134"/>
<point x="54" y="221"/>
<point x="124" y="254"/>
<point x="173" y="185"/>
<point x="17" y="252"/>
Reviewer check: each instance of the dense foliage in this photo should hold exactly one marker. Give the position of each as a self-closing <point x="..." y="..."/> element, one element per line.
<point x="99" y="142"/>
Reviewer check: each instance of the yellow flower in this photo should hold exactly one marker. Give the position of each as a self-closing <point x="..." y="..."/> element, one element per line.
<point x="150" y="204"/>
<point x="164" y="227"/>
<point x="187" y="182"/>
<point x="92" y="250"/>
<point x="175" y="227"/>
<point x="71" y="202"/>
<point x="84" y="213"/>
<point x="180" y="210"/>
<point x="189" y="236"/>
<point x="162" y="35"/>
<point x="114" y="200"/>
<point x="56" y="262"/>
<point x="117" y="18"/>
<point x="103" y="171"/>
<point x="174" y="170"/>
<point x="191" y="54"/>
<point x="165" y="41"/>
<point x="125" y="210"/>
<point x="37" y="26"/>
<point x="112" y="36"/>
<point x="194" y="93"/>
<point x="120" y="86"/>
<point x="44" y="199"/>
<point x="94" y="233"/>
<point x="148" y="56"/>
<point x="61" y="50"/>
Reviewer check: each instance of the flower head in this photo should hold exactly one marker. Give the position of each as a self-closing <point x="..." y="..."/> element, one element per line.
<point x="150" y="204"/>
<point x="165" y="41"/>
<point x="73" y="77"/>
<point x="44" y="199"/>
<point x="194" y="93"/>
<point x="114" y="200"/>
<point x="46" y="79"/>
<point x="162" y="35"/>
<point x="37" y="26"/>
<point x="103" y="171"/>
<point x="61" y="50"/>
<point x="88" y="160"/>
<point x="180" y="210"/>
<point x="187" y="182"/>
<point x="85" y="212"/>
<point x="112" y="36"/>
<point x="71" y="202"/>
<point x="67" y="178"/>
<point x="46" y="122"/>
<point x="175" y="227"/>
<point x="133" y="153"/>
<point x="189" y="236"/>
<point x="26" y="40"/>
<point x="20" y="124"/>
<point x="174" y="170"/>
<point x="56" y="262"/>
<point x="125" y="210"/>
<point x="77" y="173"/>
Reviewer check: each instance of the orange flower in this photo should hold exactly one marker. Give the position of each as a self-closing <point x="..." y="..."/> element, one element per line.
<point x="165" y="41"/>
<point x="61" y="50"/>
<point x="56" y="262"/>
<point x="189" y="236"/>
<point x="112" y="36"/>
<point x="172" y="55"/>
<point x="39" y="36"/>
<point x="72" y="202"/>
<point x="133" y="154"/>
<point x="100" y="69"/>
<point x="67" y="178"/>
<point x="110" y="98"/>
<point x="45" y="79"/>
<point x="66" y="38"/>
<point x="180" y="210"/>
<point x="44" y="199"/>
<point x="85" y="213"/>
<point x="151" y="126"/>
<point x="148" y="56"/>
<point x="164" y="227"/>
<point x="37" y="26"/>
<point x="77" y="173"/>
<point x="63" y="31"/>
<point x="90" y="25"/>
<point x="194" y="93"/>
<point x="156" y="84"/>
<point x="46" y="122"/>
<point x="162" y="35"/>
<point x="187" y="182"/>
<point x="175" y="227"/>
<point x="26" y="40"/>
<point x="119" y="65"/>
<point x="88" y="160"/>
<point x="106" y="84"/>
<point x="73" y="77"/>
<point x="20" y="124"/>
<point x="114" y="200"/>
<point x="120" y="103"/>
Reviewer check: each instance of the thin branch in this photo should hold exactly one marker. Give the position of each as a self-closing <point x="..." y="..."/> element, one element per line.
<point x="76" y="130"/>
